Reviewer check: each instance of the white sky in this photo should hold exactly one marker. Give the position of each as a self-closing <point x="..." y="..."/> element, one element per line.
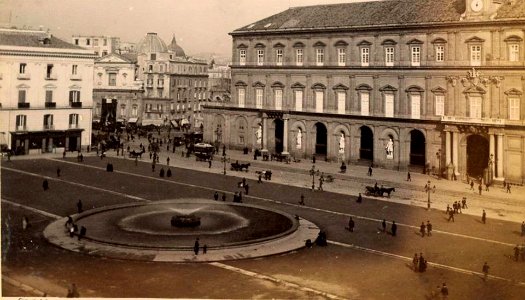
<point x="199" y="25"/>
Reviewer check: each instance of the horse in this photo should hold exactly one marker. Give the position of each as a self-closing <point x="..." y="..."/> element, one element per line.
<point x="135" y="154"/>
<point x="387" y="191"/>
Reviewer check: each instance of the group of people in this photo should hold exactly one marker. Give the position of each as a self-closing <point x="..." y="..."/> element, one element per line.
<point x="73" y="229"/>
<point x="419" y="263"/>
<point x="425" y="229"/>
<point x="456" y="208"/>
<point x="519" y="252"/>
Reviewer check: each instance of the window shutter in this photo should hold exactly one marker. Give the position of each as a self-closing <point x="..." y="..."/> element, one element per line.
<point x="70" y="96"/>
<point x="21" y="96"/>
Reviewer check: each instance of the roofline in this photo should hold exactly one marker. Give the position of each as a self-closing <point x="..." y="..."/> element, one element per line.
<point x="375" y="27"/>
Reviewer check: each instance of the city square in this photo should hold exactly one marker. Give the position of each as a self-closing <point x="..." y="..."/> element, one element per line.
<point x="310" y="150"/>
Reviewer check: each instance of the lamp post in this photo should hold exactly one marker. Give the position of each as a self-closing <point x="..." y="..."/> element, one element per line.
<point x="223" y="159"/>
<point x="438" y="155"/>
<point x="428" y="189"/>
<point x="313" y="171"/>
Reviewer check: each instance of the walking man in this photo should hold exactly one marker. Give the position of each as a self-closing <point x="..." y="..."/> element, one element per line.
<point x="383" y="225"/>
<point x="394" y="228"/>
<point x="422" y="229"/>
<point x="209" y="163"/>
<point x="58" y="172"/>
<point x="485" y="271"/>
<point x="508" y="188"/>
<point x="483" y="217"/>
<point x="196" y="247"/>
<point x="79" y="206"/>
<point x="260" y="178"/>
<point x="302" y="200"/>
<point x="370" y="171"/>
<point x="409" y="178"/>
<point x="450" y="216"/>
<point x="464" y="203"/>
<point x="415" y="262"/>
<point x="444" y="291"/>
<point x="216" y="196"/>
<point x="472" y="184"/>
<point x="223" y="196"/>
<point x="479" y="188"/>
<point x="351" y="225"/>
<point x="523" y="228"/>
<point x="429" y="228"/>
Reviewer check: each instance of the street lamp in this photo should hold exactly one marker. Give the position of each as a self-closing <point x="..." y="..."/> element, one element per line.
<point x="428" y="189"/>
<point x="313" y="171"/>
<point x="438" y="155"/>
<point x="223" y="159"/>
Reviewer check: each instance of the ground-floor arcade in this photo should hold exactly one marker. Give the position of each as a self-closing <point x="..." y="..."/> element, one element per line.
<point x="456" y="151"/>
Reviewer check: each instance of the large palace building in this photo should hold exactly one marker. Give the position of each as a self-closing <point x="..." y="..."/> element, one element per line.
<point x="430" y="85"/>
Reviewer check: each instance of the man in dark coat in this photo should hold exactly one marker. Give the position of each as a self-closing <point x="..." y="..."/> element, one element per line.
<point x="216" y="196"/>
<point x="351" y="225"/>
<point x="45" y="185"/>
<point x="422" y="229"/>
<point x="394" y="228"/>
<point x="196" y="247"/>
<point x="79" y="206"/>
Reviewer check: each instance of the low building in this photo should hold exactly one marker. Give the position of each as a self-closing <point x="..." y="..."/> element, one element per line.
<point x="102" y="45"/>
<point x="46" y="92"/>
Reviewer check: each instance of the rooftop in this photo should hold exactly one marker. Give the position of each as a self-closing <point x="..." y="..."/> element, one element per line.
<point x="33" y="38"/>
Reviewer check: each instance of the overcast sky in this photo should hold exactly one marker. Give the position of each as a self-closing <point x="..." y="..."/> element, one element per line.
<point x="200" y="25"/>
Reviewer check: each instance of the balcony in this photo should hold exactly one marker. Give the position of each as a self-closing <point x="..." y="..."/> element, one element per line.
<point x="51" y="104"/>
<point x="21" y="128"/>
<point x="23" y="104"/>
<point x="76" y="104"/>
<point x="49" y="127"/>
<point x="160" y="85"/>
<point x="75" y="77"/>
<point x="51" y="77"/>
<point x="73" y="126"/>
<point x="23" y="76"/>
<point x="149" y="85"/>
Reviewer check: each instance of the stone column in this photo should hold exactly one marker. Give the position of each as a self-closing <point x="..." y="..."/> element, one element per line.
<point x="448" y="158"/>
<point x="455" y="151"/>
<point x="351" y="103"/>
<point x="43" y="145"/>
<point x="400" y="102"/>
<point x="66" y="146"/>
<point x="374" y="101"/>
<point x="285" y="137"/>
<point x="492" y="154"/>
<point x="428" y="108"/>
<point x="499" y="157"/>
<point x="264" y="134"/>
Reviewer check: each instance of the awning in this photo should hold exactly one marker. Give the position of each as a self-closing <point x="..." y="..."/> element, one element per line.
<point x="156" y="122"/>
<point x="184" y="122"/>
<point x="133" y="120"/>
<point x="121" y="120"/>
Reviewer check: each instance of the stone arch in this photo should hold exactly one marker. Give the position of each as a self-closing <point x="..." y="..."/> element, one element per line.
<point x="366" y="142"/>
<point x="338" y="129"/>
<point x="389" y="151"/>
<point x="298" y="131"/>
<point x="417" y="145"/>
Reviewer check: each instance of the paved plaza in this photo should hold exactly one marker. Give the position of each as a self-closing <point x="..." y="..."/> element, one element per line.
<point x="364" y="264"/>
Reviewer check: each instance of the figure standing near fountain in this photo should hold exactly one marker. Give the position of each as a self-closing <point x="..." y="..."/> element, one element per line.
<point x="196" y="247"/>
<point x="216" y="196"/>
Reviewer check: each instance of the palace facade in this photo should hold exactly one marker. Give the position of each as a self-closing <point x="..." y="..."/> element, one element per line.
<point x="429" y="85"/>
<point x="46" y="93"/>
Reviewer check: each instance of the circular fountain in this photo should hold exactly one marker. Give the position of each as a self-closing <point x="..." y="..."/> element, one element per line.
<point x="167" y="230"/>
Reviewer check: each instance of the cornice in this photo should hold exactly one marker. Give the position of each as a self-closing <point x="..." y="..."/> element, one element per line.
<point x="46" y="54"/>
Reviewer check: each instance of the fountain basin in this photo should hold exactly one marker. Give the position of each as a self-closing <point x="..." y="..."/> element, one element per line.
<point x="185" y="221"/>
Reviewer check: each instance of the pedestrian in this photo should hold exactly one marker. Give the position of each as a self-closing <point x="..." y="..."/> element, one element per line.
<point x="422" y="263"/>
<point x="321" y="180"/>
<point x="81" y="157"/>
<point x="136" y="160"/>
<point x="370" y="171"/>
<point x="415" y="262"/>
<point x="429" y="228"/>
<point x="223" y="150"/>
<point x="508" y="188"/>
<point x="168" y="161"/>
<point x="204" y="249"/>
<point x="223" y="196"/>
<point x="45" y="185"/>
<point x="394" y="228"/>
<point x="448" y="209"/>
<point x="196" y="247"/>
<point x="486" y="187"/>
<point x="383" y="225"/>
<point x="209" y="163"/>
<point x="422" y="229"/>
<point x="485" y="270"/>
<point x="472" y="184"/>
<point x="153" y="167"/>
<point x="161" y="173"/>
<point x="409" y="178"/>
<point x="523" y="228"/>
<point x="351" y="225"/>
<point x="64" y="154"/>
<point x="260" y="178"/>
<point x="516" y="252"/>
<point x="246" y="188"/>
<point x="359" y="198"/>
<point x="302" y="203"/>
<point x="216" y="196"/>
<point x="79" y="206"/>
<point x="444" y="290"/>
<point x="479" y="188"/>
<point x="455" y="206"/>
<point x="58" y="172"/>
<point x="168" y="173"/>
<point x="484" y="217"/>
<point x="243" y="181"/>
<point x="82" y="232"/>
<point x="464" y="203"/>
<point x="451" y="216"/>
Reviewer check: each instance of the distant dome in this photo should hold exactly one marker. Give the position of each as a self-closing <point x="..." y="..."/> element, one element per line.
<point x="151" y="43"/>
<point x="173" y="47"/>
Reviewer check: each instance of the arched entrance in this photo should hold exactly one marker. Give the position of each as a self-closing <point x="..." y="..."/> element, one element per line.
<point x="366" y="151"/>
<point x="279" y="135"/>
<point x="477" y="155"/>
<point x="321" y="138"/>
<point x="417" y="148"/>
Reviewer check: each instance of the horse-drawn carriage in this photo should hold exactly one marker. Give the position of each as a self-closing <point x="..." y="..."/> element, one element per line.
<point x="136" y="154"/>
<point x="378" y="191"/>
<point x="236" y="166"/>
<point x="203" y="151"/>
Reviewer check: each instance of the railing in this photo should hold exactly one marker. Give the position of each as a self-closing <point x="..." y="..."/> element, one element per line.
<point x="21" y="128"/>
<point x="75" y="77"/>
<point x="23" y="104"/>
<point x="76" y="104"/>
<point x="51" y="77"/>
<point x="73" y="126"/>
<point x="149" y="84"/>
<point x="23" y="76"/>
<point x="51" y="104"/>
<point x="49" y="127"/>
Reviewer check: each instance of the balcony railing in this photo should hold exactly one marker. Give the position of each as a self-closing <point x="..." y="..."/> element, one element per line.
<point x="21" y="128"/>
<point x="73" y="126"/>
<point x="75" y="77"/>
<point x="49" y="127"/>
<point x="149" y="84"/>
<point x="23" y="104"/>
<point x="76" y="104"/>
<point x="51" y="77"/>
<point x="23" y="76"/>
<point x="51" y="104"/>
<point x="160" y="86"/>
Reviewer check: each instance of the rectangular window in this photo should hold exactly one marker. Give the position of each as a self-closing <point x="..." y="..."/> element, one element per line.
<point x="415" y="101"/>
<point x="134" y="111"/>
<point x="475" y="55"/>
<point x="475" y="107"/>
<point x="299" y="57"/>
<point x="21" y="121"/>
<point x="279" y="57"/>
<point x="74" y="70"/>
<point x="389" y="56"/>
<point x="88" y="42"/>
<point x="73" y="121"/>
<point x="440" y="105"/>
<point x="22" y="69"/>
<point x="319" y="56"/>
<point x="365" y="104"/>
<point x="440" y="53"/>
<point x="150" y="68"/>
<point x="49" y="71"/>
<point x="48" y="121"/>
<point x="95" y="42"/>
<point x="279" y="99"/>
<point x="49" y="96"/>
<point x="22" y="96"/>
<point x="112" y="79"/>
<point x="514" y="108"/>
<point x="319" y="101"/>
<point x="258" y="98"/>
<point x="260" y="57"/>
<point x="341" y="56"/>
<point x="153" y="56"/>
<point x="105" y="42"/>
<point x="76" y="41"/>
<point x="514" y="52"/>
<point x="298" y="100"/>
<point x="415" y="56"/>
<point x="365" y="57"/>
<point x="74" y="96"/>
<point x="341" y="102"/>
<point x="389" y="105"/>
